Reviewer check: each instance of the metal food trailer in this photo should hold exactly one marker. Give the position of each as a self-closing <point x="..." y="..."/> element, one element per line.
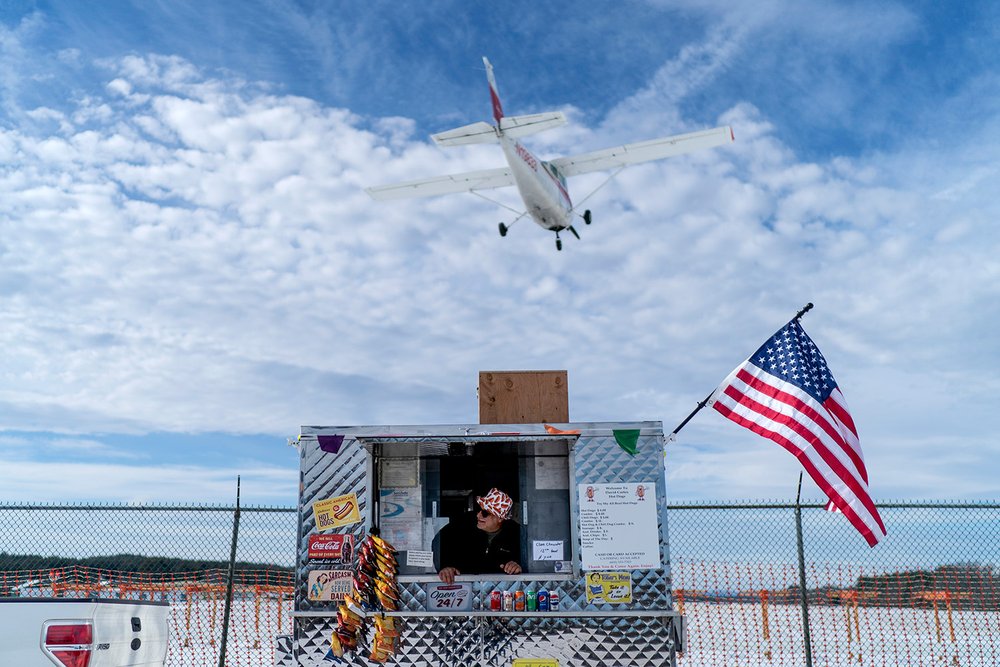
<point x="590" y="501"/>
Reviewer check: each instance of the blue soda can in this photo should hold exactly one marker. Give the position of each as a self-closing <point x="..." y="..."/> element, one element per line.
<point x="543" y="600"/>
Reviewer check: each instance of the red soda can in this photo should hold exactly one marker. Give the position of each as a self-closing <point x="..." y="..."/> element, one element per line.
<point x="519" y="601"/>
<point x="496" y="601"/>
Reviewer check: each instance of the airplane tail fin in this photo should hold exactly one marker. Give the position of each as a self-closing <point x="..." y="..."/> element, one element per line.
<point x="512" y="126"/>
<point x="494" y="95"/>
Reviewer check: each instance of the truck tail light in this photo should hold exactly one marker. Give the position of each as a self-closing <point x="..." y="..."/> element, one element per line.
<point x="67" y="643"/>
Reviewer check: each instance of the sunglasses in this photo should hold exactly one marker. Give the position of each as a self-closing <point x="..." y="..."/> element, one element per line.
<point x="483" y="513"/>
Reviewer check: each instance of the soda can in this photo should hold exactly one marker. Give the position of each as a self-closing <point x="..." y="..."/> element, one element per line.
<point x="543" y="600"/>
<point x="496" y="601"/>
<point x="518" y="600"/>
<point x="554" y="600"/>
<point x="531" y="601"/>
<point x="508" y="601"/>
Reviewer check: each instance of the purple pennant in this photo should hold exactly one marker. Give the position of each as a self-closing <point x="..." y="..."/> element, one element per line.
<point x="330" y="443"/>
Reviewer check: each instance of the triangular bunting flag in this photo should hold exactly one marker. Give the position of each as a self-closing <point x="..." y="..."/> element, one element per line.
<point x="555" y="431"/>
<point x="330" y="443"/>
<point x="627" y="439"/>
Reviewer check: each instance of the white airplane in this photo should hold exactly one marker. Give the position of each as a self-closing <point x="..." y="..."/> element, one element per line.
<point x="541" y="183"/>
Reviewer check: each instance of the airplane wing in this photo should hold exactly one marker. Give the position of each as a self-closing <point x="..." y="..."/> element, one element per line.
<point x="643" y="151"/>
<point x="443" y="185"/>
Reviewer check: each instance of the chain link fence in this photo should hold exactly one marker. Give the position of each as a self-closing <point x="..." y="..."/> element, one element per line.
<point x="928" y="594"/>
<point x="177" y="554"/>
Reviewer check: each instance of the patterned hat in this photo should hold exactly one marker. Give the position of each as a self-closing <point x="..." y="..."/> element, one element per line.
<point x="497" y="503"/>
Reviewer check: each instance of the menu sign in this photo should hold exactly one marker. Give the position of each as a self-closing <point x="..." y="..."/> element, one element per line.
<point x="618" y="526"/>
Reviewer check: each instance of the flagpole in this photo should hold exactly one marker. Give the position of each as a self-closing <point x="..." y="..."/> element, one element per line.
<point x="702" y="404"/>
<point x="802" y="312"/>
<point x="688" y="418"/>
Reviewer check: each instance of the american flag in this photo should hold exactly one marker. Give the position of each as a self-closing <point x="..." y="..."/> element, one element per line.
<point x="786" y="393"/>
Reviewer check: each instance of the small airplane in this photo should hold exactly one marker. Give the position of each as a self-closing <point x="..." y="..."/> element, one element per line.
<point x="541" y="183"/>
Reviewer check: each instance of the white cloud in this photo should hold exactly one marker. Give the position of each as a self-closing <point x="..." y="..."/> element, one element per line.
<point x="24" y="481"/>
<point x="192" y="254"/>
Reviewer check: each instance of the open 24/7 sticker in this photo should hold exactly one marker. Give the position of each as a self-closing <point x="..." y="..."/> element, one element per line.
<point x="449" y="597"/>
<point x="336" y="512"/>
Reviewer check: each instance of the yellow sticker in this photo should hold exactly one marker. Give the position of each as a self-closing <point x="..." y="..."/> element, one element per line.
<point x="336" y="512"/>
<point x="535" y="662"/>
<point x="610" y="587"/>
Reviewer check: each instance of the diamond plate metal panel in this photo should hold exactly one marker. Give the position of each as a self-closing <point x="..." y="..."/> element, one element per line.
<point x="324" y="475"/>
<point x="496" y="641"/>
<point x="283" y="651"/>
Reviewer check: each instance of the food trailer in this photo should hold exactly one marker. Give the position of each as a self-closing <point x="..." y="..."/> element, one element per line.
<point x="589" y="501"/>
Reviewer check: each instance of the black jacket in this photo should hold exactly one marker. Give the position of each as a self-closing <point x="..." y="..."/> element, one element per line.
<point x="469" y="549"/>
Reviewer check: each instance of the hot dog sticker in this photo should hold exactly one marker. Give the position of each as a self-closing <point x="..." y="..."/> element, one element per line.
<point x="336" y="512"/>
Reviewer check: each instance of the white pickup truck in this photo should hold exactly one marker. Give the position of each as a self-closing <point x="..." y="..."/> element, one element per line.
<point x="82" y="632"/>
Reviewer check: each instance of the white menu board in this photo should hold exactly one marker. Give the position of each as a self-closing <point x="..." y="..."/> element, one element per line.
<point x="618" y="526"/>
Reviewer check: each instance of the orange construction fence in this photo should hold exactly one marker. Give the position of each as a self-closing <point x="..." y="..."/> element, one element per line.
<point x="736" y="613"/>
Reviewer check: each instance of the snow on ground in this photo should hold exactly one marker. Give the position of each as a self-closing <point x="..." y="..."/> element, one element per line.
<point x="718" y="635"/>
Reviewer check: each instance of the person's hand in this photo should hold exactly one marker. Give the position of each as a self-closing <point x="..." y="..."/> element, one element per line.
<point x="447" y="574"/>
<point x="511" y="567"/>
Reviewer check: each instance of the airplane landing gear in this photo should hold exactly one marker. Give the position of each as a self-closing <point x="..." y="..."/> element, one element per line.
<point x="503" y="229"/>
<point x="558" y="242"/>
<point x="586" y="216"/>
<point x="570" y="228"/>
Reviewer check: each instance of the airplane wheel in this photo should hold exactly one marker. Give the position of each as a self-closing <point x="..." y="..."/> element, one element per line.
<point x="503" y="229"/>
<point x="558" y="244"/>
<point x="586" y="216"/>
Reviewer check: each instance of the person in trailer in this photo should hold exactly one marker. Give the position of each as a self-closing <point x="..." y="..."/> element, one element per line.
<point x="491" y="546"/>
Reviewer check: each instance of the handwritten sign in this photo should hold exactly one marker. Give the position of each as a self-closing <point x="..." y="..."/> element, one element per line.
<point x="420" y="558"/>
<point x="546" y="550"/>
<point x="618" y="526"/>
<point x="449" y="597"/>
<point x="336" y="512"/>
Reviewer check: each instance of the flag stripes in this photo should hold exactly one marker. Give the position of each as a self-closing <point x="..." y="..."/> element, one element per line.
<point x="806" y="415"/>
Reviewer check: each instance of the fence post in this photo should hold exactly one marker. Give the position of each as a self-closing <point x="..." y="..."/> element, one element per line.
<point x="229" y="582"/>
<point x="803" y="593"/>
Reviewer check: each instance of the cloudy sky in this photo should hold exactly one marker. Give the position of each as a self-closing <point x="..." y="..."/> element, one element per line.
<point x="190" y="268"/>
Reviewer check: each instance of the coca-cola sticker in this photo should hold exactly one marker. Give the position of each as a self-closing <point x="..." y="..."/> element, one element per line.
<point x="335" y="547"/>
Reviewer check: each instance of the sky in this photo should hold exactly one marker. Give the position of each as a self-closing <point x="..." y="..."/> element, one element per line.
<point x="190" y="268"/>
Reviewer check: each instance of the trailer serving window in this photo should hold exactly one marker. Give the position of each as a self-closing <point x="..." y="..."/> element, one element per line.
<point x="422" y="484"/>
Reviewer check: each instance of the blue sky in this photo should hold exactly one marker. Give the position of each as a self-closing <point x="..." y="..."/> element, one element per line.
<point x="191" y="269"/>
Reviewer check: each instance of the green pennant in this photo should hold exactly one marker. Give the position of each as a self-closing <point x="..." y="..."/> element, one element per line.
<point x="627" y="439"/>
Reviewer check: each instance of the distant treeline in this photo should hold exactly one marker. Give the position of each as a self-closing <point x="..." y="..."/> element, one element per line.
<point x="128" y="563"/>
<point x="963" y="586"/>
